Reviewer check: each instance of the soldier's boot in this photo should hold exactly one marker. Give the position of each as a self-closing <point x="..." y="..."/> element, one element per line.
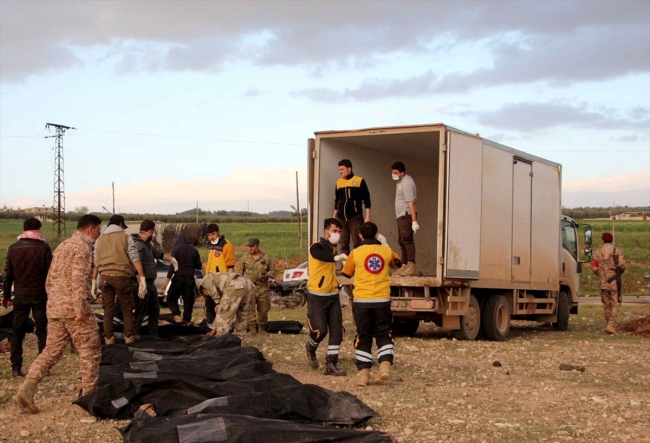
<point x="129" y="340"/>
<point x="252" y="331"/>
<point x="311" y="356"/>
<point x="109" y="340"/>
<point x="263" y="329"/>
<point x="384" y="372"/>
<point x="611" y="327"/>
<point x="178" y="319"/>
<point x="332" y="368"/>
<point x="88" y="390"/>
<point x="399" y="272"/>
<point x="410" y="270"/>
<point x="25" y="396"/>
<point x="363" y="377"/>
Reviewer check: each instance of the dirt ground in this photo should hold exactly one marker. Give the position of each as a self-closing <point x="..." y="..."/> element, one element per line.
<point x="441" y="389"/>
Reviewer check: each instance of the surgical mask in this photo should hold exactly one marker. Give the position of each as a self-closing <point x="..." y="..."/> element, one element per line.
<point x="214" y="242"/>
<point x="395" y="177"/>
<point x="334" y="238"/>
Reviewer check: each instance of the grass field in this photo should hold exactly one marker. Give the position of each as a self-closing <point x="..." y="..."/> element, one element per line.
<point x="280" y="241"/>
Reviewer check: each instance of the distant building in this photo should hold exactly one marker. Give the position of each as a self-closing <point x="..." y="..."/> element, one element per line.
<point x="632" y="216"/>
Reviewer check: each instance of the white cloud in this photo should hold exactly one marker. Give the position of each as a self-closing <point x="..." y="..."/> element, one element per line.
<point x="629" y="181"/>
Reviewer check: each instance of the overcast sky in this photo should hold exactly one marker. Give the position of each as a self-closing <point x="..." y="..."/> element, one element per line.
<point x="213" y="100"/>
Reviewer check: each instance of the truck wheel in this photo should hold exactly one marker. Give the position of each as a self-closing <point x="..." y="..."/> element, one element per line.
<point x="405" y="328"/>
<point x="470" y="324"/>
<point x="562" y="323"/>
<point x="495" y="321"/>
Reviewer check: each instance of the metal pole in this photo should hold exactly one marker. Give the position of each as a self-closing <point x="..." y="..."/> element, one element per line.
<point x="298" y="211"/>
<point x="59" y="184"/>
<point x="113" y="186"/>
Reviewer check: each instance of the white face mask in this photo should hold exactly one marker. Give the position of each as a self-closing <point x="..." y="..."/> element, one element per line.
<point x="334" y="238"/>
<point x="395" y="177"/>
<point x="214" y="242"/>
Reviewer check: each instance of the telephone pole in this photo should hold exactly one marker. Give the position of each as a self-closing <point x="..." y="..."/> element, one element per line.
<point x="59" y="185"/>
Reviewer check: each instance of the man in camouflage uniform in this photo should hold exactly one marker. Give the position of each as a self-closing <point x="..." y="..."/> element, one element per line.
<point x="70" y="317"/>
<point x="605" y="268"/>
<point x="257" y="266"/>
<point x="231" y="294"/>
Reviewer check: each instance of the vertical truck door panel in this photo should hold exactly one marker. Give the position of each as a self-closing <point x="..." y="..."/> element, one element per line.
<point x="463" y="221"/>
<point x="522" y="181"/>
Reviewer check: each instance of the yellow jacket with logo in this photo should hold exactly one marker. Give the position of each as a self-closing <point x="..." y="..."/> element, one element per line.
<point x="322" y="269"/>
<point x="369" y="264"/>
<point x="351" y="195"/>
<point x="221" y="256"/>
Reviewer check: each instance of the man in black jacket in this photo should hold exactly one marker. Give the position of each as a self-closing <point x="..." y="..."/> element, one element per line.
<point x="350" y="197"/>
<point x="26" y="266"/>
<point x="183" y="284"/>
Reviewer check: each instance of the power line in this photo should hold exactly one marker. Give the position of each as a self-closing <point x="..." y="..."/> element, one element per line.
<point x="191" y="138"/>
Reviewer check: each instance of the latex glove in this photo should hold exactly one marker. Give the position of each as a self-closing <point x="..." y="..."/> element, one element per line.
<point x="415" y="226"/>
<point x="142" y="287"/>
<point x="338" y="258"/>
<point x="93" y="289"/>
<point x="382" y="240"/>
<point x="174" y="263"/>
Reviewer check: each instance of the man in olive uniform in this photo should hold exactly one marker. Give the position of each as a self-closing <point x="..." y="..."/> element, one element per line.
<point x="231" y="294"/>
<point x="608" y="261"/>
<point x="70" y="317"/>
<point x="257" y="266"/>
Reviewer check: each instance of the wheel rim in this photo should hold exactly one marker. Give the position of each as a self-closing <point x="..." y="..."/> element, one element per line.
<point x="502" y="317"/>
<point x="472" y="318"/>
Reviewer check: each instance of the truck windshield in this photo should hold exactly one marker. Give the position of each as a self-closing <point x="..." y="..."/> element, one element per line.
<point x="569" y="238"/>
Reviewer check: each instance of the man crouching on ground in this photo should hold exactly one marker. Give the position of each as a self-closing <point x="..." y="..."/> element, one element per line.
<point x="69" y="315"/>
<point x="232" y="295"/>
<point x="369" y="265"/>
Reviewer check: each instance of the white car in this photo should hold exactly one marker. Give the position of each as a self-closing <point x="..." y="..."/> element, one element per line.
<point x="296" y="274"/>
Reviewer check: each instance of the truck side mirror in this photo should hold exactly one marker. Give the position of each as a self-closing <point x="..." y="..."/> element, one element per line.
<point x="588" y="238"/>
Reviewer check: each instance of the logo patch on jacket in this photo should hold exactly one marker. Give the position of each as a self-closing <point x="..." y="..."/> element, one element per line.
<point x="354" y="183"/>
<point x="374" y="263"/>
<point x="217" y="253"/>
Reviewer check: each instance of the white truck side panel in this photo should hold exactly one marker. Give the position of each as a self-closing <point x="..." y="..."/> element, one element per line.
<point x="463" y="223"/>
<point x="546" y="242"/>
<point x="496" y="218"/>
<point x="522" y="183"/>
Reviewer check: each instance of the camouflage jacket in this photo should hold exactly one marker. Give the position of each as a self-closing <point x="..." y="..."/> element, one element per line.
<point x="68" y="282"/>
<point x="220" y="284"/>
<point x="604" y="266"/>
<point x="258" y="270"/>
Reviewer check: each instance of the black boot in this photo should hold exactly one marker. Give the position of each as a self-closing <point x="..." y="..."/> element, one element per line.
<point x="17" y="373"/>
<point x="311" y="356"/>
<point x="331" y="368"/>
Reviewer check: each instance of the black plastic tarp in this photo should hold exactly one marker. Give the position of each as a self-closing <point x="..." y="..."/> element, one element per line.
<point x="283" y="326"/>
<point x="220" y="428"/>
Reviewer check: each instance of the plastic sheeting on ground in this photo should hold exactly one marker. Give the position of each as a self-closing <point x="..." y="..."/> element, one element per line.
<point x="283" y="326"/>
<point x="216" y="428"/>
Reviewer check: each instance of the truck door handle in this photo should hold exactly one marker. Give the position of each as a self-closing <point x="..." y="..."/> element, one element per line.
<point x="563" y="267"/>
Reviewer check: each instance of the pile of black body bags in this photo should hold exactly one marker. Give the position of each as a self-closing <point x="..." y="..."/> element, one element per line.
<point x="199" y="389"/>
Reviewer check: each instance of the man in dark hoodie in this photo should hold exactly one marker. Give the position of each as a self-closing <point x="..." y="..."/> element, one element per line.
<point x="183" y="284"/>
<point x="148" y="306"/>
<point x="26" y="266"/>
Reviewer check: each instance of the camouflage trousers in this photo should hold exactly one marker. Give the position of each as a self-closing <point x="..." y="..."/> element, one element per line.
<point x="85" y="339"/>
<point x="232" y="313"/>
<point x="260" y="302"/>
<point x="610" y="303"/>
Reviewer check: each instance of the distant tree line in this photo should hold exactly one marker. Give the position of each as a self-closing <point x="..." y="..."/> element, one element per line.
<point x="589" y="212"/>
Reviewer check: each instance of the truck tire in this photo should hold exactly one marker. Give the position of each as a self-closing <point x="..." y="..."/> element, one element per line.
<point x="562" y="323"/>
<point x="405" y="328"/>
<point x="495" y="318"/>
<point x="470" y="324"/>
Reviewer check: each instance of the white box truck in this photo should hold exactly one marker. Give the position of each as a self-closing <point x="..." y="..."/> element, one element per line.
<point x="492" y="245"/>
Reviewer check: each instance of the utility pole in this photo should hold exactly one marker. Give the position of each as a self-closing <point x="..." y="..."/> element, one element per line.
<point x="113" y="186"/>
<point x="197" y="211"/>
<point x="59" y="184"/>
<point x="298" y="212"/>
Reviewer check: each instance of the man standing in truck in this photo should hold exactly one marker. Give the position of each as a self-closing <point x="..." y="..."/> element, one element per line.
<point x="608" y="265"/>
<point x="407" y="217"/>
<point x="351" y="196"/>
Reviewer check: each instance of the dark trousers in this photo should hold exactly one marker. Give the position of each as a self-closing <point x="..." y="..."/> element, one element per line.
<point x="349" y="228"/>
<point x="185" y="287"/>
<point x="148" y="307"/>
<point x="22" y="308"/>
<point x="373" y="322"/>
<point x="324" y="315"/>
<point x="405" y="239"/>
<point x="210" y="313"/>
<point x="117" y="287"/>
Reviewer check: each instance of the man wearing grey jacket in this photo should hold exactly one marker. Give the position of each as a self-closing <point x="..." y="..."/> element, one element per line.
<point x="115" y="257"/>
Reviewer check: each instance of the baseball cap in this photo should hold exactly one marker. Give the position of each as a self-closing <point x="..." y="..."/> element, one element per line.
<point x="253" y="241"/>
<point x="117" y="220"/>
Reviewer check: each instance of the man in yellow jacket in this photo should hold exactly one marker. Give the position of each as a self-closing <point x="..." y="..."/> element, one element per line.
<point x="323" y="305"/>
<point x="221" y="258"/>
<point x="369" y="265"/>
